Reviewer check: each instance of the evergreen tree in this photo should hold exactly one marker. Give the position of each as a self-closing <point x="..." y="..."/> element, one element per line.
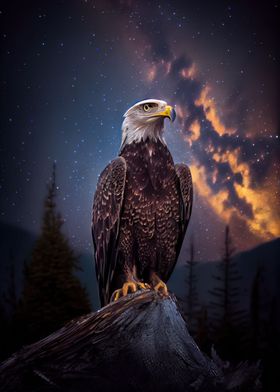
<point x="191" y="304"/>
<point x="270" y="348"/>
<point x="3" y="331"/>
<point x="11" y="302"/>
<point x="228" y="318"/>
<point x="52" y="294"/>
<point x="255" y="313"/>
<point x="11" y="296"/>
<point x="202" y="332"/>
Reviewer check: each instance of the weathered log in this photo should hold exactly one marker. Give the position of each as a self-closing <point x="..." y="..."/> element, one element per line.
<point x="138" y="343"/>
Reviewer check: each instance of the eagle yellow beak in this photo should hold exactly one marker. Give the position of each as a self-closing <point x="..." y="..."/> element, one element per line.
<point x="169" y="112"/>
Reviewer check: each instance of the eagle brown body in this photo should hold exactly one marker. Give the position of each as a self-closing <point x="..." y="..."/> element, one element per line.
<point x="141" y="210"/>
<point x="150" y="220"/>
<point x="152" y="216"/>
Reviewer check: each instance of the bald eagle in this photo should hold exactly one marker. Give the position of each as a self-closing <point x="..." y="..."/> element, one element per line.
<point x="141" y="208"/>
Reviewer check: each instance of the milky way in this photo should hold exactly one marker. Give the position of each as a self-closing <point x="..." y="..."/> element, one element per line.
<point x="71" y="69"/>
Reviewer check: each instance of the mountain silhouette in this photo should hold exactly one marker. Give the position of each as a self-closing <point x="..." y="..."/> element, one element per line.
<point x="264" y="256"/>
<point x="16" y="245"/>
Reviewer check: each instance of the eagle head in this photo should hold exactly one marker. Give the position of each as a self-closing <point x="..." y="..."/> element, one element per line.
<point x="145" y="120"/>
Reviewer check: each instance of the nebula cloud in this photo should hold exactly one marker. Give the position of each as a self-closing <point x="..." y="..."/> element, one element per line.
<point x="229" y="169"/>
<point x="234" y="169"/>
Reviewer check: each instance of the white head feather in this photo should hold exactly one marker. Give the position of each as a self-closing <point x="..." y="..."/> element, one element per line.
<point x="145" y="120"/>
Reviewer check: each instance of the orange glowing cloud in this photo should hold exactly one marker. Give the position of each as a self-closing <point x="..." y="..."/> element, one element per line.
<point x="194" y="132"/>
<point x="264" y="222"/>
<point x="233" y="159"/>
<point x="211" y="113"/>
<point x="216" y="200"/>
<point x="151" y="74"/>
<point x="189" y="73"/>
<point x="159" y="68"/>
<point x="235" y="195"/>
<point x="181" y="112"/>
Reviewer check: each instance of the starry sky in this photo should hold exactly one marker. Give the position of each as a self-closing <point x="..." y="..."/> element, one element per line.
<point x="70" y="69"/>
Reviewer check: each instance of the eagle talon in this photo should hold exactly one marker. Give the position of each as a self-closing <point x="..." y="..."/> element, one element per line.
<point x="144" y="286"/>
<point x="161" y="287"/>
<point x="127" y="288"/>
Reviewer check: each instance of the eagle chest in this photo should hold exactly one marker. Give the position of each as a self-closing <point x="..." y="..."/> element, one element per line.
<point x="151" y="202"/>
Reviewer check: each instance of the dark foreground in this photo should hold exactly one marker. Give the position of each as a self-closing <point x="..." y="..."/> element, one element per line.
<point x="139" y="343"/>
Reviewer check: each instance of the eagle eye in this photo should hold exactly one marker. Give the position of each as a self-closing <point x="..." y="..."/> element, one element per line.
<point x="148" y="106"/>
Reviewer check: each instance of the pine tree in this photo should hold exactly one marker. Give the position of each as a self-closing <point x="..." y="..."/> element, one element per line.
<point x="11" y="296"/>
<point x="228" y="318"/>
<point x="270" y="347"/>
<point x="52" y="294"/>
<point x="202" y="331"/>
<point x="255" y="313"/>
<point x="191" y="304"/>
<point x="3" y="331"/>
<point x="11" y="302"/>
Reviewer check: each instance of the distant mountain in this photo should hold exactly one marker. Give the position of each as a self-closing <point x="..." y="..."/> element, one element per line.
<point x="266" y="256"/>
<point x="16" y="244"/>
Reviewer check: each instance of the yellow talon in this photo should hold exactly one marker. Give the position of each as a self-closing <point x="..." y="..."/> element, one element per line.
<point x="116" y="295"/>
<point x="128" y="287"/>
<point x="161" y="287"/>
<point x="143" y="286"/>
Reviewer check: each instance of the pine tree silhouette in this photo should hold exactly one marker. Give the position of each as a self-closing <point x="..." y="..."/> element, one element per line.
<point x="202" y="331"/>
<point x="3" y="331"/>
<point x="10" y="342"/>
<point x="255" y="314"/>
<point x="11" y="296"/>
<point x="270" y="348"/>
<point x="227" y="319"/>
<point x="191" y="303"/>
<point x="52" y="294"/>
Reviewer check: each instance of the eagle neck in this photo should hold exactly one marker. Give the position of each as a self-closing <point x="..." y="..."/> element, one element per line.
<point x="149" y="146"/>
<point x="135" y="133"/>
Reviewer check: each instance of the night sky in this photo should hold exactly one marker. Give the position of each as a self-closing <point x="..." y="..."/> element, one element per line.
<point x="70" y="69"/>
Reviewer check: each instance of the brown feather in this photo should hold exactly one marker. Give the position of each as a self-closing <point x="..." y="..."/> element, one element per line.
<point x="145" y="220"/>
<point x="107" y="204"/>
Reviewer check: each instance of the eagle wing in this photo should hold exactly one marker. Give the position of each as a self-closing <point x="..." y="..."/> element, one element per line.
<point x="107" y="205"/>
<point x="186" y="189"/>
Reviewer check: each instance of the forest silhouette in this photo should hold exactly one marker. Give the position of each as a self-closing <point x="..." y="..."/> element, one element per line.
<point x="52" y="295"/>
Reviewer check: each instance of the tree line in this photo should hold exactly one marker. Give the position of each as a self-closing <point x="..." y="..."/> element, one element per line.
<point x="236" y="333"/>
<point x="52" y="294"/>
